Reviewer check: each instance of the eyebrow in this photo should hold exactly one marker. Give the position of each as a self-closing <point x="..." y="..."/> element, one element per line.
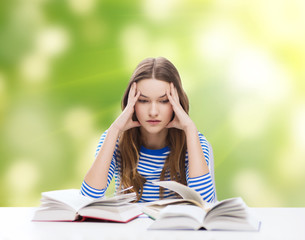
<point x="148" y="97"/>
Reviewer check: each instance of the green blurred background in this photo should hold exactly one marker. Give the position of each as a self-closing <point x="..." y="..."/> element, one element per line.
<point x="64" y="65"/>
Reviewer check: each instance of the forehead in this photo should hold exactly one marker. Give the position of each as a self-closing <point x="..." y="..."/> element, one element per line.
<point x="152" y="87"/>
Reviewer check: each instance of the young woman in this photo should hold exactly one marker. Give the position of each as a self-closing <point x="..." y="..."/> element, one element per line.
<point x="152" y="139"/>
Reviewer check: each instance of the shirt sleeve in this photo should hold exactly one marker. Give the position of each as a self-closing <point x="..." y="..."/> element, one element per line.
<point x="86" y="189"/>
<point x="203" y="184"/>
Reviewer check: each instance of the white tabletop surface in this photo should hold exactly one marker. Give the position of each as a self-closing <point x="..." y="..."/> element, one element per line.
<point x="277" y="223"/>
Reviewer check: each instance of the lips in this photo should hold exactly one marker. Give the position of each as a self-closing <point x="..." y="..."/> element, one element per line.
<point x="153" y="122"/>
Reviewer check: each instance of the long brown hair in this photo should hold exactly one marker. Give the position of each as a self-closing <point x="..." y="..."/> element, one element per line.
<point x="129" y="146"/>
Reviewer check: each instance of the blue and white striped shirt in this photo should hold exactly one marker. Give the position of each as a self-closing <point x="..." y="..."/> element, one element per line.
<point x="150" y="166"/>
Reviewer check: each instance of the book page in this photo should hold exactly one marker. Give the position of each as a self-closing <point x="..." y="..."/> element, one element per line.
<point x="231" y="206"/>
<point x="69" y="197"/>
<point x="177" y="223"/>
<point x="182" y="217"/>
<point x="184" y="191"/>
<point x="231" y="214"/>
<point x="190" y="211"/>
<point x="115" y="200"/>
<point x="153" y="209"/>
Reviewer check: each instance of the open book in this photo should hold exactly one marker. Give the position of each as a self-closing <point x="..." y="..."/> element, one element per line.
<point x="192" y="213"/>
<point x="70" y="205"/>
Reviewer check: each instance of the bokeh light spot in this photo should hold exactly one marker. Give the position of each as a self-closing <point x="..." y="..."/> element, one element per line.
<point x="52" y="41"/>
<point x="134" y="35"/>
<point x="79" y="122"/>
<point x="249" y="118"/>
<point x="291" y="165"/>
<point x="218" y="40"/>
<point x="253" y="188"/>
<point x="253" y="72"/>
<point x="36" y="65"/>
<point x="298" y="127"/>
<point x="34" y="68"/>
<point x="160" y="10"/>
<point x="22" y="177"/>
<point x="25" y="124"/>
<point x="82" y="7"/>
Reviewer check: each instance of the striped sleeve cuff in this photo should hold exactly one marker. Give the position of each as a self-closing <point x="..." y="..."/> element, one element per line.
<point x="89" y="191"/>
<point x="204" y="186"/>
<point x="205" y="147"/>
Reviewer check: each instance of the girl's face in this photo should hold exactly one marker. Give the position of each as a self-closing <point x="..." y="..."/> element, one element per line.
<point x="153" y="109"/>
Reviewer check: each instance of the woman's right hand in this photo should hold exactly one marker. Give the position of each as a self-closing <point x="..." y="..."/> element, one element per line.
<point x="97" y="174"/>
<point x="124" y="120"/>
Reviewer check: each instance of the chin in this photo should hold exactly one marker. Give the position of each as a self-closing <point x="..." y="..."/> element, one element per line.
<point x="153" y="130"/>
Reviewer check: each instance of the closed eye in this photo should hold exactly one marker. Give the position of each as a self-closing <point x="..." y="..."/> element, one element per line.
<point x="142" y="101"/>
<point x="164" y="101"/>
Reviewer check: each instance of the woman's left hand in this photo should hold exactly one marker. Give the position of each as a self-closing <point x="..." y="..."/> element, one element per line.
<point x="181" y="120"/>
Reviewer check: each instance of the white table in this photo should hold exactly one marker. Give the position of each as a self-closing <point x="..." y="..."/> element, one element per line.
<point x="277" y="223"/>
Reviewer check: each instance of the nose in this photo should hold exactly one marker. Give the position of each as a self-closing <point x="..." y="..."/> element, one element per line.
<point x="153" y="110"/>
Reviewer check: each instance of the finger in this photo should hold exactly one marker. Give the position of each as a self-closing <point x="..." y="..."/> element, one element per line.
<point x="136" y="124"/>
<point x="137" y="97"/>
<point x="171" y="124"/>
<point x="170" y="98"/>
<point x="132" y="93"/>
<point x="133" y="124"/>
<point x="174" y="92"/>
<point x="138" y="94"/>
<point x="133" y="89"/>
<point x="175" y="102"/>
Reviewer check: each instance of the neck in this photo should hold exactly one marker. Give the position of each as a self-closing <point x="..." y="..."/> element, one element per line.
<point x="154" y="140"/>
